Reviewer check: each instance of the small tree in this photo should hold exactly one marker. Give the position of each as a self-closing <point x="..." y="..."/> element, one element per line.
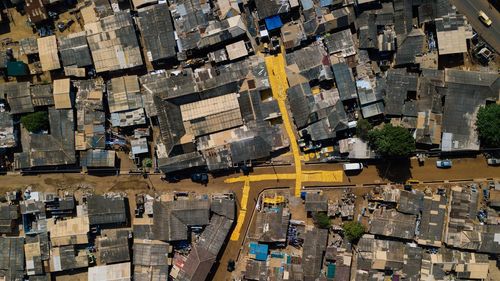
<point x="353" y="230"/>
<point x="488" y="125"/>
<point x="36" y="121"/>
<point x="392" y="141"/>
<point x="363" y="127"/>
<point x="322" y="220"/>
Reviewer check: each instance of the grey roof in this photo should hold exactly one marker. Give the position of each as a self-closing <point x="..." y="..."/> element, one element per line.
<point x="8" y="216"/>
<point x="151" y="254"/>
<point x="393" y="224"/>
<point x="270" y="227"/>
<point x="340" y="42"/>
<point x="224" y="207"/>
<point x="171" y="127"/>
<point x="69" y="259"/>
<point x="316" y="202"/>
<point x="431" y="9"/>
<point x="268" y="8"/>
<point x="90" y="113"/>
<point x="410" y="203"/>
<point x="315" y="242"/>
<point x="74" y="50"/>
<point x="249" y="149"/>
<point x="410" y="47"/>
<point x="399" y="83"/>
<point x="256" y="270"/>
<point x="157" y="30"/>
<point x="201" y="259"/>
<point x="181" y="162"/>
<point x="106" y="210"/>
<point x="58" y="148"/>
<point x="97" y="158"/>
<point x="190" y="16"/>
<point x="403" y="17"/>
<point x="394" y="256"/>
<point x="367" y="31"/>
<point x="312" y="62"/>
<point x="7" y="133"/>
<point x="299" y="97"/>
<point x="12" y="258"/>
<point x="18" y="96"/>
<point x="113" y="249"/>
<point x="42" y="95"/>
<point x="171" y="219"/>
<point x="45" y="277"/>
<point x="466" y="91"/>
<point x="433" y="220"/>
<point x="345" y="81"/>
<point x="143" y="231"/>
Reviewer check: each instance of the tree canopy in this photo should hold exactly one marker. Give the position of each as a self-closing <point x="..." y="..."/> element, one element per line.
<point x="488" y="125"/>
<point x="353" y="230"/>
<point x="322" y="220"/>
<point x="392" y="141"/>
<point x="363" y="128"/>
<point x="36" y="121"/>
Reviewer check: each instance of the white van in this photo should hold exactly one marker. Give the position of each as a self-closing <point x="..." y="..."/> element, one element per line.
<point x="353" y="166"/>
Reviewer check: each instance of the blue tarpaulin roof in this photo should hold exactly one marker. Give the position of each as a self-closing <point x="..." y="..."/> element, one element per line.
<point x="259" y="250"/>
<point x="273" y="22"/>
<point x="331" y="270"/>
<point x="325" y="3"/>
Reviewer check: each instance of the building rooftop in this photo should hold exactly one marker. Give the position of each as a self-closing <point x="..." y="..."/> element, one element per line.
<point x="74" y="50"/>
<point x="42" y="95"/>
<point x="55" y="149"/>
<point x="316" y="202"/>
<point x="452" y="34"/>
<point x="270" y="226"/>
<point x="106" y="210"/>
<point x="7" y="136"/>
<point x="113" y="42"/>
<point x="461" y="106"/>
<point x="204" y="254"/>
<point x="171" y="219"/>
<point x="157" y="31"/>
<point x="124" y="94"/>
<point x="68" y="232"/>
<point x="113" y="246"/>
<point x="35" y="10"/>
<point x="62" y="93"/>
<point x="432" y="221"/>
<point x="47" y="50"/>
<point x="344" y="81"/>
<point x="12" y="258"/>
<point x="389" y="222"/>
<point x="18" y="96"/>
<point x="97" y="158"/>
<point x="268" y="8"/>
<point x="315" y="243"/>
<point x="114" y="272"/>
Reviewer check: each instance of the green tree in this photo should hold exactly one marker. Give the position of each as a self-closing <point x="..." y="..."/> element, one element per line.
<point x="363" y="127"/>
<point x="353" y="230"/>
<point x="322" y="220"/>
<point x="488" y="125"/>
<point x="392" y="141"/>
<point x="36" y="121"/>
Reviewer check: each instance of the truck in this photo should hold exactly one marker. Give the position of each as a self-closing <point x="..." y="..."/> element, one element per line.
<point x="353" y="166"/>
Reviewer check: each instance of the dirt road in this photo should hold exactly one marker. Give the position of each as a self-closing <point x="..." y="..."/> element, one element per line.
<point x="466" y="168"/>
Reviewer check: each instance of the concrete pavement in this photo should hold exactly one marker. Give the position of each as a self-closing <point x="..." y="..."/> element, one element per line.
<point x="471" y="8"/>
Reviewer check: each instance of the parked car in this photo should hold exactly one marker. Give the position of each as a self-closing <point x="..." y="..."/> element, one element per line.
<point x="200" y="178"/>
<point x="493" y="161"/>
<point x="353" y="166"/>
<point x="446" y="163"/>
